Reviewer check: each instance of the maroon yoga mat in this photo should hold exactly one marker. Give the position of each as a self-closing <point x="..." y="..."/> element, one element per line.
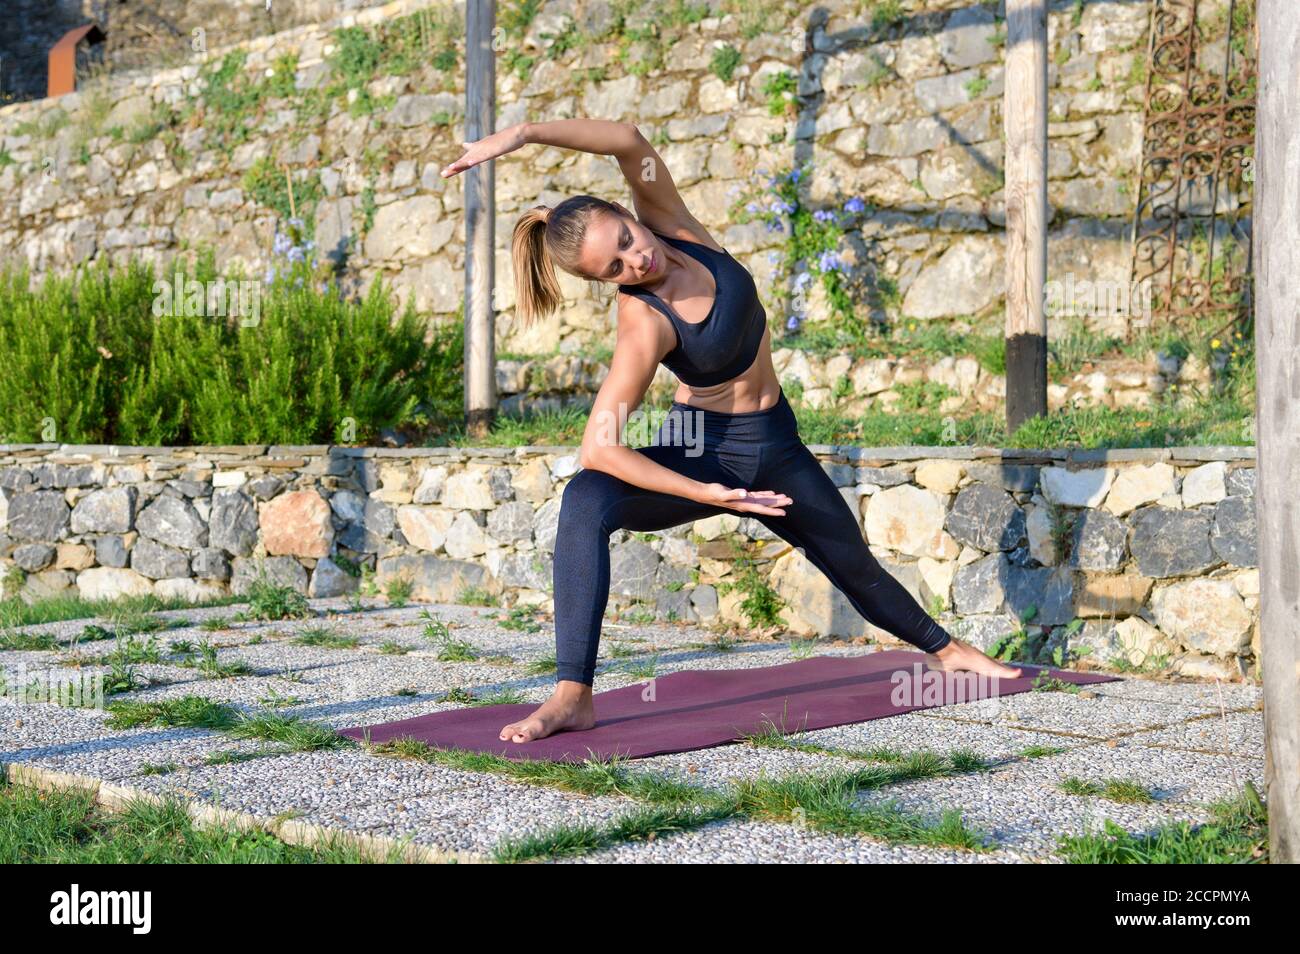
<point x="699" y="709"/>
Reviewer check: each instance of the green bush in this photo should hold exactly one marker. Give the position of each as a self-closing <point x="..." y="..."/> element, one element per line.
<point x="85" y="360"/>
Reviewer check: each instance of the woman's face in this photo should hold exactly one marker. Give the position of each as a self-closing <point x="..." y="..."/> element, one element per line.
<point x="619" y="250"/>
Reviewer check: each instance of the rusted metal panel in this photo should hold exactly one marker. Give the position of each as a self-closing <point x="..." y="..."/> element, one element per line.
<point x="63" y="58"/>
<point x="1191" y="236"/>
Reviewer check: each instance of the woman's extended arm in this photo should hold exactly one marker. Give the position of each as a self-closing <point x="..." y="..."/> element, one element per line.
<point x="601" y="136"/>
<point x="655" y="197"/>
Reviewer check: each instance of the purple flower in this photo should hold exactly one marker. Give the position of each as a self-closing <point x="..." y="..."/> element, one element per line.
<point x="296" y="254"/>
<point x="823" y="215"/>
<point x="773" y="257"/>
<point x="793" y="323"/>
<point x="854" y="205"/>
<point x="829" y="262"/>
<point x="803" y="278"/>
<point x="269" y="277"/>
<point x="753" y="207"/>
<point x="282" y="244"/>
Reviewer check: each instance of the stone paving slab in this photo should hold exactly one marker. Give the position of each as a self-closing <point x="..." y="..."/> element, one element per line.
<point x="737" y="841"/>
<point x="480" y="816"/>
<point x="126" y="757"/>
<point x="1083" y="714"/>
<point x="717" y="767"/>
<point x="911" y="732"/>
<point x="1021" y="815"/>
<point x="1232" y="733"/>
<point x="27" y="725"/>
<point x="430" y="804"/>
<point x="1236" y="695"/>
<point x="302" y="781"/>
<point x="1176" y="778"/>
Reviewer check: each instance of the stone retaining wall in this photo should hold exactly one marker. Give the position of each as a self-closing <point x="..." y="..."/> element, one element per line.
<point x="1153" y="550"/>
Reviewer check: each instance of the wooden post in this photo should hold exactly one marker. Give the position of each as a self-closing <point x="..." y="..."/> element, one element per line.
<point x="1277" y="413"/>
<point x="1024" y="119"/>
<point x="480" y="222"/>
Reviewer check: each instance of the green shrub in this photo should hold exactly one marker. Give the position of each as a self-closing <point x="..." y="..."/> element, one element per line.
<point x="86" y="361"/>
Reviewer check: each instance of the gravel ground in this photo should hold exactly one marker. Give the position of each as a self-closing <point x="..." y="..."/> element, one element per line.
<point x="1170" y="736"/>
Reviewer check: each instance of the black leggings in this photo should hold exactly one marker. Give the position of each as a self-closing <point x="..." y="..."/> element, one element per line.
<point x="758" y="450"/>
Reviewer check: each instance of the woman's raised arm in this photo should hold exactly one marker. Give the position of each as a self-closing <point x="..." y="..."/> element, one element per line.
<point x="654" y="194"/>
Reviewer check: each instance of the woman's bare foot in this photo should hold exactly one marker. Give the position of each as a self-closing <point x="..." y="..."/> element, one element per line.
<point x="569" y="708"/>
<point x="958" y="655"/>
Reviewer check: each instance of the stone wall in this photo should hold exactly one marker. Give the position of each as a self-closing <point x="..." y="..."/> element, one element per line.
<point x="859" y="385"/>
<point x="1152" y="550"/>
<point x="140" y="34"/>
<point x="906" y="116"/>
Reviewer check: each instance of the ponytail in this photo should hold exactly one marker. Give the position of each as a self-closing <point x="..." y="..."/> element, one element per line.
<point x="543" y="239"/>
<point x="537" y="291"/>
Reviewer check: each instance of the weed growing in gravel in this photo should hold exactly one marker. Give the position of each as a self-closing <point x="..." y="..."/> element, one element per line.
<point x="268" y="601"/>
<point x="326" y="637"/>
<point x="1040" y="751"/>
<point x="476" y="596"/>
<point x="520" y="619"/>
<point x="399" y="591"/>
<point x="1117" y="790"/>
<point x="803" y="648"/>
<point x="458" y="694"/>
<point x="12" y="639"/>
<point x="503" y="697"/>
<point x="291" y="731"/>
<point x="542" y="666"/>
<point x="213" y="668"/>
<point x="165" y="768"/>
<point x="449" y="649"/>
<point x="194" y="712"/>
<point x="643" y="668"/>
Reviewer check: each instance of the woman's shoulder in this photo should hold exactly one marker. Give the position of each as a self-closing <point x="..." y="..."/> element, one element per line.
<point x="691" y="231"/>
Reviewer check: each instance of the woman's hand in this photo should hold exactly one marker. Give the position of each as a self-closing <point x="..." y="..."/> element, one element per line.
<point x="481" y="150"/>
<point x="745" y="501"/>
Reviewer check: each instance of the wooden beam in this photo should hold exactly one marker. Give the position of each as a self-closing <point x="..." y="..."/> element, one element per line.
<point x="480" y="222"/>
<point x="1024" y="118"/>
<point x="1277" y="410"/>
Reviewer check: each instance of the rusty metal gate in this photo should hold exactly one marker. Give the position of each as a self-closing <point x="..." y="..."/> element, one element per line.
<point x="1191" y="235"/>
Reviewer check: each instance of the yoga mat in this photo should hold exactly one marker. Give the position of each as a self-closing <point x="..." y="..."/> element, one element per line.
<point x="700" y="709"/>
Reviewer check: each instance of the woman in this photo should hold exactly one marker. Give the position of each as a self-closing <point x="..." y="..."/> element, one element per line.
<point x="686" y="303"/>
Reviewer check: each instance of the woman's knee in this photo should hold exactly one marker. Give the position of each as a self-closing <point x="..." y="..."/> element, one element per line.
<point x="587" y="497"/>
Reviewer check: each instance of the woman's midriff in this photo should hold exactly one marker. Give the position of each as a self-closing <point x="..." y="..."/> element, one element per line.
<point x="754" y="389"/>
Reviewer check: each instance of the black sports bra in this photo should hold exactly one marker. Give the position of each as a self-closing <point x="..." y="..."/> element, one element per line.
<point x="726" y="342"/>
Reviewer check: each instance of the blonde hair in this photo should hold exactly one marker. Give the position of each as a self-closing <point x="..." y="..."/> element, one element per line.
<point x="544" y="238"/>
